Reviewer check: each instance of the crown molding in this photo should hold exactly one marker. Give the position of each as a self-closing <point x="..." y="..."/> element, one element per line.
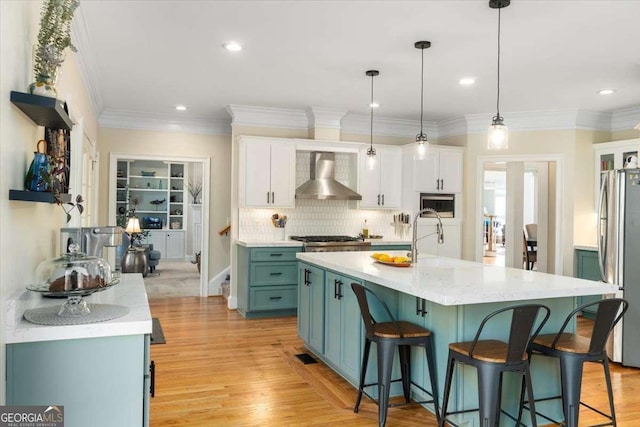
<point x="361" y="124"/>
<point x="164" y="123"/>
<point x="454" y="127"/>
<point x="246" y="115"/>
<point x="626" y="119"/>
<point x="86" y="61"/>
<point x="544" y="120"/>
<point x="319" y="117"/>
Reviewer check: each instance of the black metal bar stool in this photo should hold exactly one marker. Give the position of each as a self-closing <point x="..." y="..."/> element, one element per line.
<point x="573" y="350"/>
<point x="493" y="357"/>
<point x="389" y="335"/>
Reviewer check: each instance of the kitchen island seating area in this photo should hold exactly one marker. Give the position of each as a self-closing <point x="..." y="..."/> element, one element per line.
<point x="492" y="358"/>
<point x="450" y="298"/>
<point x="388" y="336"/>
<point x="573" y="351"/>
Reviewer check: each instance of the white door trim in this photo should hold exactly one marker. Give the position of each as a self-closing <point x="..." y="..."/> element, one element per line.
<point x="206" y="184"/>
<point x="480" y="164"/>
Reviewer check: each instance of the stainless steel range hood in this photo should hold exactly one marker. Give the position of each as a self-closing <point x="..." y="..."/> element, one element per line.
<point x="322" y="184"/>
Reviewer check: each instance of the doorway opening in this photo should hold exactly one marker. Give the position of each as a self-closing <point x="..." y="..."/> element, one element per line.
<point x="518" y="212"/>
<point x="159" y="189"/>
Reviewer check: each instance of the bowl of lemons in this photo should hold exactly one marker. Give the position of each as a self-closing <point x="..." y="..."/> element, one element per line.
<point x="395" y="261"/>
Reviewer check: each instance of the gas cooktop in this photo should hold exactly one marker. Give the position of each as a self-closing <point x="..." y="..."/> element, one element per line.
<point x="324" y="239"/>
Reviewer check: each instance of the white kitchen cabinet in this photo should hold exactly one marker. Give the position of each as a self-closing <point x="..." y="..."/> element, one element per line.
<point x="268" y="172"/>
<point x="440" y="171"/>
<point x="170" y="243"/>
<point x="381" y="187"/>
<point x="452" y="246"/>
<point x="613" y="155"/>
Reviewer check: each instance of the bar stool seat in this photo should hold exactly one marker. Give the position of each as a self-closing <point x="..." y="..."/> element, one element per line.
<point x="389" y="335"/>
<point x="573" y="351"/>
<point x="492" y="358"/>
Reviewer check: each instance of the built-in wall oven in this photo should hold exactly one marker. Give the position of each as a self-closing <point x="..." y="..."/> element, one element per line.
<point x="444" y="204"/>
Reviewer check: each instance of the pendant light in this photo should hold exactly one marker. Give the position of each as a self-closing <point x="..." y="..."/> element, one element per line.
<point x="371" y="152"/>
<point x="498" y="135"/>
<point x="421" y="138"/>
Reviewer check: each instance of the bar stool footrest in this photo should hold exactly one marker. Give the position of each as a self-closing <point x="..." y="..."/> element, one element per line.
<point x="525" y="406"/>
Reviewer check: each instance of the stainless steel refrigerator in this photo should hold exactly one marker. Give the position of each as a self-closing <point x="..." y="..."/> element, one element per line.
<point x="619" y="254"/>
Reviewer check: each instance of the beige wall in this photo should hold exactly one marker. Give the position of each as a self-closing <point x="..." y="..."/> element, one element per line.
<point x="29" y="231"/>
<point x="215" y="147"/>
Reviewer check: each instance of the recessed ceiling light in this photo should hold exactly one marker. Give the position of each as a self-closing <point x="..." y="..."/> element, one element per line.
<point x="232" y="46"/>
<point x="181" y="108"/>
<point x="374" y="105"/>
<point x="467" y="81"/>
<point x="606" y="91"/>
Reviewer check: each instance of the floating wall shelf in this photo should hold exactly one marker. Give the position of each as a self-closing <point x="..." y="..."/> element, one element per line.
<point x="44" y="111"/>
<point x="36" y="196"/>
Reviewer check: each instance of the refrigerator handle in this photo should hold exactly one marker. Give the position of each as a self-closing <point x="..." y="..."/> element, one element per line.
<point x="601" y="249"/>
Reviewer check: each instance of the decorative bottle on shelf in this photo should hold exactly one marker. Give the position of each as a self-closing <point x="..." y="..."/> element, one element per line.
<point x="365" y="229"/>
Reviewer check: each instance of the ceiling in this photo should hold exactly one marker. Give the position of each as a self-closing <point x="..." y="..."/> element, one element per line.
<point x="148" y="56"/>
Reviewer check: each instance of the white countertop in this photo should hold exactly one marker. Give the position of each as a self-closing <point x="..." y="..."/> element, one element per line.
<point x="449" y="281"/>
<point x="586" y="248"/>
<point x="130" y="292"/>
<point x="295" y="243"/>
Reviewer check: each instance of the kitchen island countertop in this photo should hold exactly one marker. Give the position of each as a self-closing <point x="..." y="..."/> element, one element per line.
<point x="130" y="292"/>
<point x="449" y="281"/>
<point x="295" y="243"/>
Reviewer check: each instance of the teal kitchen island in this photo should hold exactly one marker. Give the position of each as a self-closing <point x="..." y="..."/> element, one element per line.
<point x="448" y="296"/>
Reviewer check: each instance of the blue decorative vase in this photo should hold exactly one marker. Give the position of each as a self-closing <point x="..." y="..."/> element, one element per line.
<point x="39" y="170"/>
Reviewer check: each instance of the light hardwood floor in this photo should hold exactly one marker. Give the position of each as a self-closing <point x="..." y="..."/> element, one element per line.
<point x="218" y="369"/>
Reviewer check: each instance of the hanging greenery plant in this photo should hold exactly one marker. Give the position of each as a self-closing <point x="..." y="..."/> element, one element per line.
<point x="54" y="38"/>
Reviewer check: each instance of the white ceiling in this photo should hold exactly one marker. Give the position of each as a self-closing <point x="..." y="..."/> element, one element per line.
<point x="148" y="56"/>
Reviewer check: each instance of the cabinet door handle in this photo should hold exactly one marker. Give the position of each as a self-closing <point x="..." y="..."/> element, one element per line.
<point x="273" y="197"/>
<point x="276" y="274"/>
<point x="267" y="197"/>
<point x="421" y="307"/>
<point x="437" y="184"/>
<point x="276" y="254"/>
<point x="152" y="382"/>
<point x="275" y="298"/>
<point x="340" y="289"/>
<point x="383" y="200"/>
<point x="306" y="276"/>
<point x="442" y="184"/>
<point x="335" y="288"/>
<point x="378" y="200"/>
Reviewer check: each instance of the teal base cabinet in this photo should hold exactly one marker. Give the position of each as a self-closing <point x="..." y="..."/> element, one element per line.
<point x="343" y="335"/>
<point x="267" y="281"/>
<point x="101" y="382"/>
<point x="587" y="268"/>
<point x="311" y="306"/>
<point x="382" y="248"/>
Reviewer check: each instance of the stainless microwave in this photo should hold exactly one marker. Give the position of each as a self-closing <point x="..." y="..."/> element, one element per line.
<point x="444" y="204"/>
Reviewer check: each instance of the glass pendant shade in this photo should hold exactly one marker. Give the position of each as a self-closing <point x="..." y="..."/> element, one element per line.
<point x="422" y="146"/>
<point x="371" y="158"/>
<point x="498" y="135"/>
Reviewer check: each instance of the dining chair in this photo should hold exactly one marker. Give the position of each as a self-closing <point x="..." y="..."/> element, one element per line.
<point x="529" y="256"/>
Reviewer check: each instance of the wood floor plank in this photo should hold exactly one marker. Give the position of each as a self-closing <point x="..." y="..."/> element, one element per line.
<point x="219" y="369"/>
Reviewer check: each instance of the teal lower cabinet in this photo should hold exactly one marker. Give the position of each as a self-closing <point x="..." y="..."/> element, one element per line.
<point x="101" y="382"/>
<point x="311" y="286"/>
<point x="587" y="268"/>
<point x="382" y="248"/>
<point x="343" y="326"/>
<point x="267" y="281"/>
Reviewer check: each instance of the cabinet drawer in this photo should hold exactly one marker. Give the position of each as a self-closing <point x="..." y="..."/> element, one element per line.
<point x="274" y="254"/>
<point x="273" y="273"/>
<point x="273" y="298"/>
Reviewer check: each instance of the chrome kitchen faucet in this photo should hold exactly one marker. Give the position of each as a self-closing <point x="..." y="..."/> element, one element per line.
<point x="414" y="241"/>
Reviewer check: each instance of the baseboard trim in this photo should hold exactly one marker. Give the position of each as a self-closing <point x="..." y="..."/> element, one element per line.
<point x="216" y="281"/>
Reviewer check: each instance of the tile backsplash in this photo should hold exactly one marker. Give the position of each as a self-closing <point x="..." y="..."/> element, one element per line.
<point x="318" y="217"/>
